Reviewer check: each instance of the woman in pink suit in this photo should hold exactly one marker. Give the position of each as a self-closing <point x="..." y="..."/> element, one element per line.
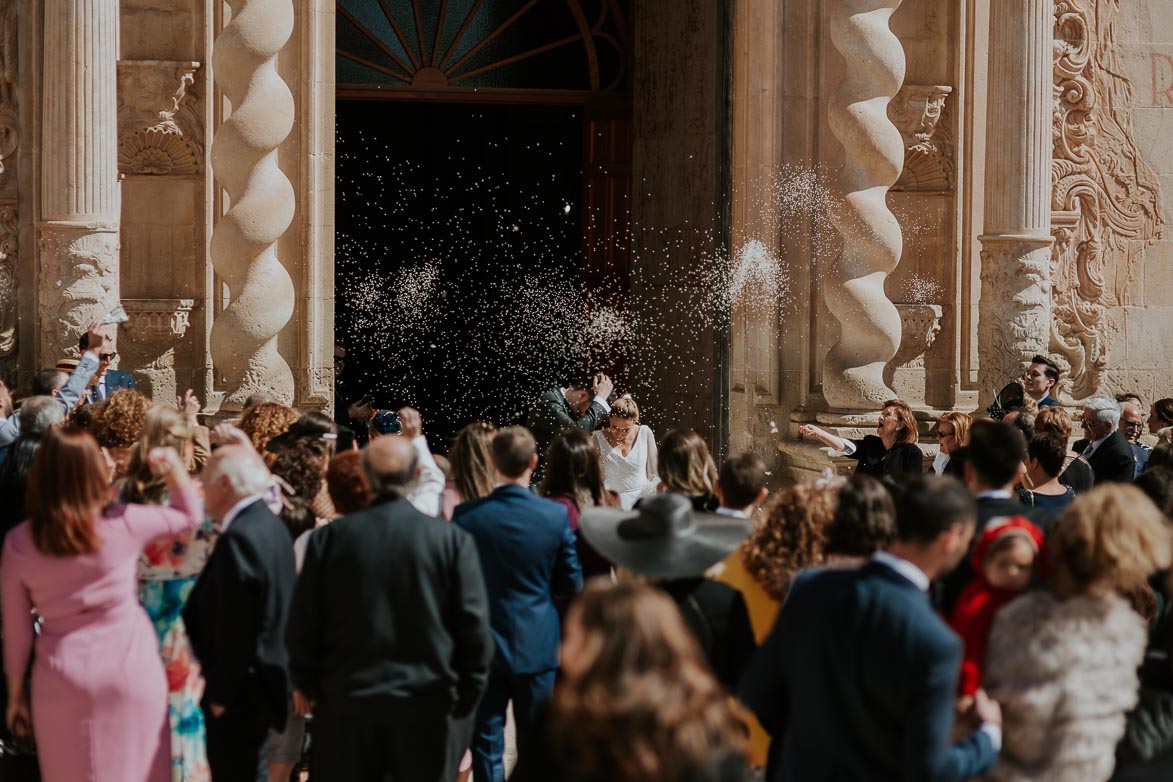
<point x="99" y="693"/>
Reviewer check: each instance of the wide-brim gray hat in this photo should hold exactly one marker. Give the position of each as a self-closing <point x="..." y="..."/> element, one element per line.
<point x="664" y="537"/>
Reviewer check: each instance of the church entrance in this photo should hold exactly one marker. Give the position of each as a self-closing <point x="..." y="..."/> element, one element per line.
<point x="482" y="188"/>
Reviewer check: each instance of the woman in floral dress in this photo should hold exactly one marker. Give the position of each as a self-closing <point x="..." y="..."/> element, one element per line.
<point x="167" y="572"/>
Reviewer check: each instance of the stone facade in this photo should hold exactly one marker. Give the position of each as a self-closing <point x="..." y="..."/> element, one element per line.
<point x="177" y="155"/>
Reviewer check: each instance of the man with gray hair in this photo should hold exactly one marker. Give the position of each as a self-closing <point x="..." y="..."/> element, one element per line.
<point x="1104" y="448"/>
<point x="394" y="658"/>
<point x="236" y="615"/>
<point x="1132" y="426"/>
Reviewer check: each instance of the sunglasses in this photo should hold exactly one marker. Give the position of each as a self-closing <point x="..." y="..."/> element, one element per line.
<point x="107" y="356"/>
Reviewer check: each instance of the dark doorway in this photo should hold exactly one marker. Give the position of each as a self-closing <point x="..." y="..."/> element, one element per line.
<point x="459" y="258"/>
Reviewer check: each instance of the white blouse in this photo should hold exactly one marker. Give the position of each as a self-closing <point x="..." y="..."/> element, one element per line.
<point x="632" y="476"/>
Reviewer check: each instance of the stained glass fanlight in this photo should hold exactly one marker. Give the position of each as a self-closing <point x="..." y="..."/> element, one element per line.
<point x="575" y="46"/>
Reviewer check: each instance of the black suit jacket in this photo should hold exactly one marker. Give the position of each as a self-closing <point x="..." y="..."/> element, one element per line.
<point x="857" y="681"/>
<point x="551" y="417"/>
<point x="989" y="508"/>
<point x="391" y="603"/>
<point x="1112" y="461"/>
<point x="236" y="615"/>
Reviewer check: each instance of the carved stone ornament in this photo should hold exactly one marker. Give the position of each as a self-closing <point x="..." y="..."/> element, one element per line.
<point x="159" y="130"/>
<point x="158" y="319"/>
<point x="78" y="283"/>
<point x="928" y="142"/>
<point x="1106" y="200"/>
<point x="9" y="138"/>
<point x="8" y="287"/>
<point x="921" y="323"/>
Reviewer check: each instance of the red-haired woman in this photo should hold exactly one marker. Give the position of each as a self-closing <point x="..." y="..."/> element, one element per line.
<point x="99" y="693"/>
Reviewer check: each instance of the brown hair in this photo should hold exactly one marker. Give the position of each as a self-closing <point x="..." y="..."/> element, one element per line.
<point x="265" y="421"/>
<point x="1164" y="410"/>
<point x="472" y="465"/>
<point x="908" y="432"/>
<point x="67" y="488"/>
<point x="513" y="448"/>
<point x="347" y="483"/>
<point x="645" y="706"/>
<point x="865" y="519"/>
<point x="742" y="478"/>
<point x="790" y="535"/>
<point x="960" y="423"/>
<point x="1113" y="536"/>
<point x="685" y="465"/>
<point x="119" y="421"/>
<point x="163" y="426"/>
<point x="1056" y="421"/>
<point x="574" y="469"/>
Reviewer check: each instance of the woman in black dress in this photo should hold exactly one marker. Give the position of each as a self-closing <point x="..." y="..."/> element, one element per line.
<point x="891" y="451"/>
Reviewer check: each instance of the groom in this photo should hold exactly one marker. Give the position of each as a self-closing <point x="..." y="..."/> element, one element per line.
<point x="581" y="405"/>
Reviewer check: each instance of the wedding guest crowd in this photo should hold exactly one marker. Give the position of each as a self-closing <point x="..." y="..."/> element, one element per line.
<point x="264" y="600"/>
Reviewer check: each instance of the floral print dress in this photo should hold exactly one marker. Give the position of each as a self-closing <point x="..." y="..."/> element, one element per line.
<point x="167" y="571"/>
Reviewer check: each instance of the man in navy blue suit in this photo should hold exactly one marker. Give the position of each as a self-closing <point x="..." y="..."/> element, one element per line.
<point x="105" y="381"/>
<point x="527" y="554"/>
<point x="858" y="678"/>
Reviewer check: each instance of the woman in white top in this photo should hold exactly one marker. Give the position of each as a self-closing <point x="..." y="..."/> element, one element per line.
<point x="629" y="454"/>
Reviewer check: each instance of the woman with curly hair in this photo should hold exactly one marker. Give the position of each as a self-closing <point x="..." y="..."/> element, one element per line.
<point x="118" y="424"/>
<point x="686" y="467"/>
<point x="472" y="469"/>
<point x="1063" y="661"/>
<point x="636" y="701"/>
<point x="263" y="422"/>
<point x="167" y="571"/>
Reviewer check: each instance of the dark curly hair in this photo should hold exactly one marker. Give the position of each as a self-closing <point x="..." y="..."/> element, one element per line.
<point x="347" y="483"/>
<point x="118" y="423"/>
<point x="865" y="519"/>
<point x="790" y="535"/>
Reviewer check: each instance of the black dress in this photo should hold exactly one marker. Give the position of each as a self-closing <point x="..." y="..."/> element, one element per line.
<point x="876" y="460"/>
<point x="1078" y="475"/>
<point x="717" y="615"/>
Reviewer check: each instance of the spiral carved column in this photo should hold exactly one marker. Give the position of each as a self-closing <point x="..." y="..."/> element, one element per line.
<point x="81" y="201"/>
<point x="244" y="242"/>
<point x="869" y="324"/>
<point x="1014" y="312"/>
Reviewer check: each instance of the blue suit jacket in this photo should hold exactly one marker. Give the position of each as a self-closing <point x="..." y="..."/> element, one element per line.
<point x="527" y="555"/>
<point x="857" y="681"/>
<point x="116" y="380"/>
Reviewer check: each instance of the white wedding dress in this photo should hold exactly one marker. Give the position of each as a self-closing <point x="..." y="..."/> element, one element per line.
<point x="632" y="476"/>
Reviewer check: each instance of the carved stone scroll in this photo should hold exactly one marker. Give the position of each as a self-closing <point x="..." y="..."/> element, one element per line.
<point x="869" y="325"/>
<point x="1105" y="198"/>
<point x="244" y="242"/>
<point x="159" y="129"/>
<point x="928" y="141"/>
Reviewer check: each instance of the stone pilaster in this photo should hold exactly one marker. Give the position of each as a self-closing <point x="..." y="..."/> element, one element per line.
<point x="1014" y="312"/>
<point x="9" y="227"/>
<point x="244" y="241"/>
<point x="80" y="195"/>
<point x="869" y="325"/>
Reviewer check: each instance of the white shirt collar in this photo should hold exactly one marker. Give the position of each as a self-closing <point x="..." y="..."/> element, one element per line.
<point x="940" y="462"/>
<point x="993" y="494"/>
<point x="237" y="509"/>
<point x="904" y="568"/>
<point x="1096" y="443"/>
<point x="732" y="513"/>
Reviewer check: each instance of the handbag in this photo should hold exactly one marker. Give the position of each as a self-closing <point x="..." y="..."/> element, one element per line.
<point x="18" y="761"/>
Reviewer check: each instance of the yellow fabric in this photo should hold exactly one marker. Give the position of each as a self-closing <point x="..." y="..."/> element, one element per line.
<point x="763" y="610"/>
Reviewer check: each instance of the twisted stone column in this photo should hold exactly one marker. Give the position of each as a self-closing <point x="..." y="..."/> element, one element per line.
<point x="1014" y="311"/>
<point x="80" y="194"/>
<point x="869" y="325"/>
<point x="244" y="242"/>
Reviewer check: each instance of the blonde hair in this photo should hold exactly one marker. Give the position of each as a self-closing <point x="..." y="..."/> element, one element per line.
<point x="163" y="426"/>
<point x="625" y="407"/>
<point x="1112" y="537"/>
<point x="265" y="421"/>
<point x="1054" y="420"/>
<point x="118" y="423"/>
<point x="960" y="423"/>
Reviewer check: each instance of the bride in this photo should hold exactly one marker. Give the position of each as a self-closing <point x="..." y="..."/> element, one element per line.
<point x="629" y="453"/>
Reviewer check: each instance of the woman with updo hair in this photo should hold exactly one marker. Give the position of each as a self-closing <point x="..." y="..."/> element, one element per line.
<point x="629" y="454"/>
<point x="636" y="702"/>
<point x="1160" y="415"/>
<point x="1063" y="661"/>
<point x="686" y="467"/>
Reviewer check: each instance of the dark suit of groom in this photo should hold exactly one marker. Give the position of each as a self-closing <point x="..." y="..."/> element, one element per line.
<point x="235" y="619"/>
<point x="527" y="554"/>
<point x="552" y="415"/>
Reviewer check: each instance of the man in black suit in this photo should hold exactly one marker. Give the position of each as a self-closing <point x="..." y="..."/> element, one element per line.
<point x="105" y="381"/>
<point x="992" y="460"/>
<point x="389" y="634"/>
<point x="858" y="678"/>
<point x="236" y="615"/>
<point x="1105" y="449"/>
<point x="581" y="404"/>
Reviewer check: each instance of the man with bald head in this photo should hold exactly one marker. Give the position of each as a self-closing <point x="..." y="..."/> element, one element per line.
<point x="236" y="615"/>
<point x="389" y="633"/>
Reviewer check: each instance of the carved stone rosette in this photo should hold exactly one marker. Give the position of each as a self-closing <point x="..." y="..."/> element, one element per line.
<point x="244" y="242"/>
<point x="78" y="284"/>
<point x="1105" y="198"/>
<point x="869" y="325"/>
<point x="159" y="129"/>
<point x="928" y="142"/>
